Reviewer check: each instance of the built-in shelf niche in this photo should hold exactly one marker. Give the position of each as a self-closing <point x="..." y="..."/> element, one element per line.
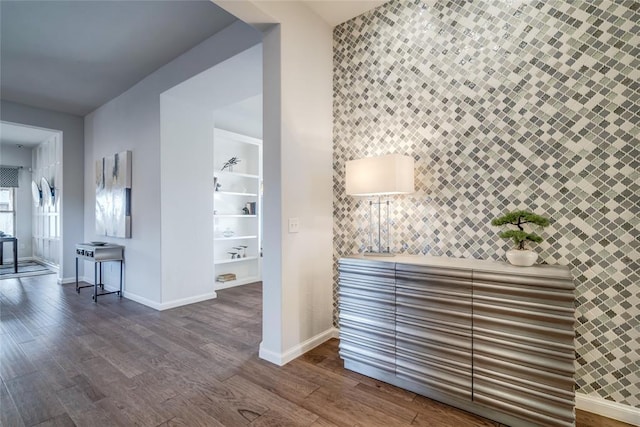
<point x="236" y="230"/>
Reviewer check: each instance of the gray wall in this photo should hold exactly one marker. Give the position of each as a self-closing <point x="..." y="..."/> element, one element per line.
<point x="507" y="105"/>
<point x="14" y="156"/>
<point x="132" y="122"/>
<point x="72" y="128"/>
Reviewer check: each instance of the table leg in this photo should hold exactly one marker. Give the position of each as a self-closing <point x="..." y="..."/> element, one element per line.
<point x="1" y="252"/>
<point x="101" y="282"/>
<point x="95" y="282"/>
<point x="120" y="293"/>
<point x="77" y="288"/>
<point x="15" y="256"/>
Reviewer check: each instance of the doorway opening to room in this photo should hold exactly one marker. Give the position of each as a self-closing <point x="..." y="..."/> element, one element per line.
<point x="211" y="160"/>
<point x="30" y="202"/>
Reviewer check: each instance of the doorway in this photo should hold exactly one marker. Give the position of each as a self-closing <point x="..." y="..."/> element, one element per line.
<point x="31" y="206"/>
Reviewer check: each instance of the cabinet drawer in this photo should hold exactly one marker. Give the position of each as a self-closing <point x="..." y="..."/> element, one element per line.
<point x="522" y="402"/>
<point x="523" y="350"/>
<point x="380" y="328"/>
<point x="381" y="358"/>
<point x="436" y="373"/>
<point x="366" y="302"/>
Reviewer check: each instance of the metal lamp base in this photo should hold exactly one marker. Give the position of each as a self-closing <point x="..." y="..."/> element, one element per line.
<point x="387" y="254"/>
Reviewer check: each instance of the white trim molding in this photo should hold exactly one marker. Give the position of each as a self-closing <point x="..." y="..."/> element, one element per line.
<point x="160" y="306"/>
<point x="606" y="408"/>
<point x="185" y="301"/>
<point x="281" y="359"/>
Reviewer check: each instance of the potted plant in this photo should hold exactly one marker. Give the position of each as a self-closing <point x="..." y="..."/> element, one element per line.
<point x="520" y="255"/>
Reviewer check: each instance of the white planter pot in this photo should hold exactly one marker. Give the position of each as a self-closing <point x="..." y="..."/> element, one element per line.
<point x="522" y="258"/>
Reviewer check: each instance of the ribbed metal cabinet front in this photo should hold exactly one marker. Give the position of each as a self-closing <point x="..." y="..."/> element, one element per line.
<point x="523" y="350"/>
<point x="433" y="328"/>
<point x="367" y="313"/>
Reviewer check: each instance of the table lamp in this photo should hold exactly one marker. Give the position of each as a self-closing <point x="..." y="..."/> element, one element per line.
<point x="378" y="177"/>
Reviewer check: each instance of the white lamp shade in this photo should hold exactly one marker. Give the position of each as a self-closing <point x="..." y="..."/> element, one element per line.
<point x="375" y="176"/>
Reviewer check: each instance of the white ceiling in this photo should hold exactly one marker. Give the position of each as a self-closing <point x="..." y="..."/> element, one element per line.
<point x="335" y="12"/>
<point x="27" y="136"/>
<point x="73" y="56"/>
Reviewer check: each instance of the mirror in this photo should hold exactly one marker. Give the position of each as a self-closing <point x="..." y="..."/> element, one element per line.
<point x="36" y="193"/>
<point x="48" y="192"/>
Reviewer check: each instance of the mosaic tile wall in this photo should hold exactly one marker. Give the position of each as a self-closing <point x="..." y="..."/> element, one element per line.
<point x="507" y="105"/>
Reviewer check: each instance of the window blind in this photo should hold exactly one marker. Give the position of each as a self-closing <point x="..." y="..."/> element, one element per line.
<point x="8" y="177"/>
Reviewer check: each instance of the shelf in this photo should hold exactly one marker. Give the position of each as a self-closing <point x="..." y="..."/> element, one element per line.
<point x="235" y="238"/>
<point x="237" y="174"/>
<point x="230" y="261"/>
<point x="237" y="282"/>
<point x="231" y="193"/>
<point x="234" y="216"/>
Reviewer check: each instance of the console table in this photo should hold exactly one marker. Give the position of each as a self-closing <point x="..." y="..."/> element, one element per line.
<point x="484" y="336"/>
<point x="99" y="253"/>
<point x="15" y="251"/>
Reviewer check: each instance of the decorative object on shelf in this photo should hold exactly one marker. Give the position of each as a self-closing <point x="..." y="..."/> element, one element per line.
<point x="227" y="277"/>
<point x="48" y="192"/>
<point x="242" y="251"/>
<point x="113" y="195"/>
<point x="230" y="164"/>
<point x="380" y="176"/>
<point x="217" y="186"/>
<point x="228" y="232"/>
<point x="36" y="193"/>
<point x="251" y="208"/>
<point x="234" y="255"/>
<point x="245" y="210"/>
<point x="520" y="255"/>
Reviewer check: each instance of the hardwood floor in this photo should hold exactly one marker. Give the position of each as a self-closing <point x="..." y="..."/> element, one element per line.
<point x="65" y="361"/>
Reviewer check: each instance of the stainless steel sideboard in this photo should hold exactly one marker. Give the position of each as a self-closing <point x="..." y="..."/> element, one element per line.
<point x="484" y="336"/>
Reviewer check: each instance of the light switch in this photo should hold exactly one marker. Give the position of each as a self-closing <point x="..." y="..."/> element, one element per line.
<point x="294" y="225"/>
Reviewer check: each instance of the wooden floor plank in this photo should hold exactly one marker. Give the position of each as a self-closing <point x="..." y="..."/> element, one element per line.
<point x="9" y="415"/>
<point x="63" y="420"/>
<point x="33" y="397"/>
<point x="279" y="408"/>
<point x="14" y="361"/>
<point x="67" y="361"/>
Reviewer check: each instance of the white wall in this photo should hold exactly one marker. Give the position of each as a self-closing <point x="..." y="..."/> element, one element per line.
<point x="73" y="172"/>
<point x="187" y="121"/>
<point x="298" y="61"/>
<point x="244" y="117"/>
<point x="187" y="202"/>
<point x="132" y="122"/>
<point x="14" y="156"/>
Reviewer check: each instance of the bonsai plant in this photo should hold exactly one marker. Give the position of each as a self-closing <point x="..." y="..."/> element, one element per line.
<point x="520" y="255"/>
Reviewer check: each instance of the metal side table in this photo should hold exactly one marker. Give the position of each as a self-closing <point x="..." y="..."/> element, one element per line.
<point x="99" y="253"/>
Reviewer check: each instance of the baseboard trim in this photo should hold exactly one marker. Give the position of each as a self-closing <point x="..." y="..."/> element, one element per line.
<point x="153" y="304"/>
<point x="606" y="408"/>
<point x="137" y="298"/>
<point x="186" y="301"/>
<point x="67" y="280"/>
<point x="281" y="359"/>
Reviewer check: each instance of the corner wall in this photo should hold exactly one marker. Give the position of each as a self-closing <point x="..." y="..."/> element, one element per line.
<point x="132" y="122"/>
<point x="507" y="105"/>
<point x="297" y="148"/>
<point x="72" y="171"/>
